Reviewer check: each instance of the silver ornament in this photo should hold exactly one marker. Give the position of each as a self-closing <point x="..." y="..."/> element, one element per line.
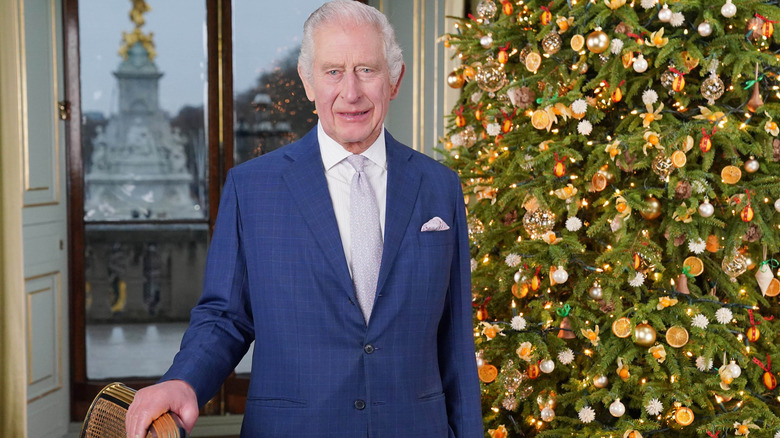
<point x="538" y="222"/>
<point x="490" y="76"/>
<point x="706" y="209"/>
<point x="705" y="29"/>
<point x="486" y="41"/>
<point x="486" y="9"/>
<point x="662" y="166"/>
<point x="777" y="204"/>
<point x="667" y="79"/>
<point x="600" y="381"/>
<point x="734" y="266"/>
<point x="712" y="88"/>
<point x="665" y="14"/>
<point x="751" y="165"/>
<point x="547" y="366"/>
<point x="551" y="43"/>
<point x="548" y="414"/>
<point x="509" y="403"/>
<point x="617" y="408"/>
<point x="596" y="292"/>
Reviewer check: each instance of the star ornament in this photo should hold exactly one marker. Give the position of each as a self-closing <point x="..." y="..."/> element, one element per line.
<point x="654" y="407"/>
<point x="587" y="414"/>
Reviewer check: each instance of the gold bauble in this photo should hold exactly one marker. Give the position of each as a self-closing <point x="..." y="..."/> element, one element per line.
<point x="455" y="80"/>
<point x="653" y="209"/>
<point x="644" y="335"/>
<point x="597" y="42"/>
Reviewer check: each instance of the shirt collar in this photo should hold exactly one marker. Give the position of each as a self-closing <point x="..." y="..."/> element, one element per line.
<point x="333" y="153"/>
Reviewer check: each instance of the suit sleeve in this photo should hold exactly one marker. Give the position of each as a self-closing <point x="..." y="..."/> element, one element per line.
<point x="457" y="361"/>
<point x="220" y="328"/>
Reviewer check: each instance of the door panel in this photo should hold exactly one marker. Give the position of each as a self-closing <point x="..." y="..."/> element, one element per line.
<point x="44" y="218"/>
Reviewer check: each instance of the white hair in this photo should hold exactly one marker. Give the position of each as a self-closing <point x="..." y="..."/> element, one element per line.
<point x="345" y="13"/>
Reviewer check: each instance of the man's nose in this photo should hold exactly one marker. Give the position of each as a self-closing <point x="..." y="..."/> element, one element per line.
<point x="350" y="90"/>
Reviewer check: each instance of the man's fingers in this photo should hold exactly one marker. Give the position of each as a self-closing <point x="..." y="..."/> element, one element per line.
<point x="151" y="402"/>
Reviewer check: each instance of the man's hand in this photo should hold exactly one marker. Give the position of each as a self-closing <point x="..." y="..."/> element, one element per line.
<point x="149" y="403"/>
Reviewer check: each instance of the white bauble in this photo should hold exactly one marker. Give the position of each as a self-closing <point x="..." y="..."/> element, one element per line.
<point x="728" y="10"/>
<point x="617" y="408"/>
<point x="560" y="275"/>
<point x="734" y="369"/>
<point x="777" y="204"/>
<point x="596" y="292"/>
<point x="705" y="29"/>
<point x="640" y="64"/>
<point x="548" y="414"/>
<point x="547" y="366"/>
<point x="665" y="14"/>
<point x="486" y="41"/>
<point x="706" y="209"/>
<point x="751" y="165"/>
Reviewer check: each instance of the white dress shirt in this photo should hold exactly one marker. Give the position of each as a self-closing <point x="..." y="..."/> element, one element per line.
<point x="339" y="172"/>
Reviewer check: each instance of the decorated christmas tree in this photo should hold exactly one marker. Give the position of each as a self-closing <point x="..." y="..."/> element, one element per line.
<point x="622" y="165"/>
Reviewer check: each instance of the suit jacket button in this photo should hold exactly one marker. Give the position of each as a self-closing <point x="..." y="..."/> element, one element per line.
<point x="368" y="348"/>
<point x="360" y="405"/>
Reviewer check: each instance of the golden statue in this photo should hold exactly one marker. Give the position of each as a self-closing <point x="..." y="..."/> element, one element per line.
<point x="137" y="16"/>
<point x="137" y="13"/>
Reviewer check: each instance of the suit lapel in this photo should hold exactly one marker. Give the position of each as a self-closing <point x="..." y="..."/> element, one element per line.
<point x="403" y="183"/>
<point x="305" y="178"/>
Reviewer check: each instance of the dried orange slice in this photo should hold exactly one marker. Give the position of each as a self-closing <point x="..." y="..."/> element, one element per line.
<point x="679" y="159"/>
<point x="694" y="265"/>
<point x="773" y="289"/>
<point x="577" y="42"/>
<point x="540" y="119"/>
<point x="488" y="373"/>
<point x="532" y="61"/>
<point x="622" y="327"/>
<point x="731" y="174"/>
<point x="677" y="336"/>
<point x="599" y="182"/>
<point x="683" y="416"/>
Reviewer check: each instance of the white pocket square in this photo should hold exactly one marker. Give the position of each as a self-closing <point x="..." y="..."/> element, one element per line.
<point x="435" y="224"/>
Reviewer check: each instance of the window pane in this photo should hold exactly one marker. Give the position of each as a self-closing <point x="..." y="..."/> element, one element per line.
<point x="143" y="80"/>
<point x="270" y="105"/>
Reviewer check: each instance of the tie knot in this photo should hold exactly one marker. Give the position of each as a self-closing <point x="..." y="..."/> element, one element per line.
<point x="357" y="161"/>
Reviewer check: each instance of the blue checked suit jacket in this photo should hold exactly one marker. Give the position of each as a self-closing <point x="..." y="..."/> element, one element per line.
<point x="276" y="274"/>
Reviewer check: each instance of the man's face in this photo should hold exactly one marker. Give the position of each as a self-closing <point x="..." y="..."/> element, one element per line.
<point x="350" y="84"/>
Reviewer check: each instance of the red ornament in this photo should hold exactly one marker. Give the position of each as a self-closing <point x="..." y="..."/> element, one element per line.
<point x="508" y="9"/>
<point x="770" y="381"/>
<point x="753" y="334"/>
<point x="506" y="126"/>
<point x="482" y="312"/>
<point x="460" y="120"/>
<point x="679" y="83"/>
<point x="560" y="167"/>
<point x="546" y="16"/>
<point x="637" y="261"/>
<point x="706" y="142"/>
<point x="478" y="114"/>
<point x="503" y="57"/>
<point x="747" y="214"/>
<point x="533" y="371"/>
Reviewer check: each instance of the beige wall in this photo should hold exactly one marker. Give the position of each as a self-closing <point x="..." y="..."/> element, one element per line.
<point x="13" y="400"/>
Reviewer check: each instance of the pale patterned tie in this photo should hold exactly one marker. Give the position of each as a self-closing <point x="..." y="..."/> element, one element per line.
<point x="366" y="236"/>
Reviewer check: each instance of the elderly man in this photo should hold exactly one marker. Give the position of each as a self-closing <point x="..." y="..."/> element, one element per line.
<point x="344" y="256"/>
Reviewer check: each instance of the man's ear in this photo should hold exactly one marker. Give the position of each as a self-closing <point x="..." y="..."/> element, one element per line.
<point x="397" y="86"/>
<point x="306" y="85"/>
